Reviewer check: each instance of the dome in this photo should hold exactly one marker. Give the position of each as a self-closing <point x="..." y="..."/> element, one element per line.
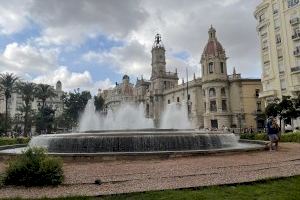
<point x="125" y="77"/>
<point x="213" y="46"/>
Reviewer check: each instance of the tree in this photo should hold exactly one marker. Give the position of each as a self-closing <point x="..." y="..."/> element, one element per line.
<point x="45" y="119"/>
<point x="7" y="87"/>
<point x="99" y="102"/>
<point x="74" y="103"/>
<point x="43" y="92"/>
<point x="27" y="90"/>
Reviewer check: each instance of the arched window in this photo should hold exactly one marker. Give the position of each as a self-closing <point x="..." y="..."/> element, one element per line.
<point x="212" y="92"/>
<point x="223" y="93"/>
<point x="222" y="67"/>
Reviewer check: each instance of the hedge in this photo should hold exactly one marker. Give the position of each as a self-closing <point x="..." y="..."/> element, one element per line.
<point x="11" y="141"/>
<point x="285" y="137"/>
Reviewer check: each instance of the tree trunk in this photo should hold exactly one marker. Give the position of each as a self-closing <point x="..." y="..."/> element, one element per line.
<point x="6" y="114"/>
<point x="26" y="123"/>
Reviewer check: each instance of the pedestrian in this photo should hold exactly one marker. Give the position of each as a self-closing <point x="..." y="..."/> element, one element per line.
<point x="273" y="130"/>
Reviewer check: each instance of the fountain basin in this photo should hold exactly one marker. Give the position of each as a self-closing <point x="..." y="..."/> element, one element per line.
<point x="138" y="144"/>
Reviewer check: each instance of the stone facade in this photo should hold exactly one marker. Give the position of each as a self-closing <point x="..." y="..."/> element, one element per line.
<point x="214" y="101"/>
<point x="16" y="102"/>
<point x="279" y="34"/>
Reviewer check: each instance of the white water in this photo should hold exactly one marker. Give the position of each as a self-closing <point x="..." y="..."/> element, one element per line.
<point x="175" y="116"/>
<point x="126" y="117"/>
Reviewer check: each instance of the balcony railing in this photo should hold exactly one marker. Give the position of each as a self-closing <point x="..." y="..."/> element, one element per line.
<point x="296" y="36"/>
<point x="295" y="21"/>
<point x="297" y="51"/>
<point x="295" y="69"/>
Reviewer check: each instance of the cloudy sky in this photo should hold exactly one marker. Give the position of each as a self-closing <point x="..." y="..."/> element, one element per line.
<point x="90" y="44"/>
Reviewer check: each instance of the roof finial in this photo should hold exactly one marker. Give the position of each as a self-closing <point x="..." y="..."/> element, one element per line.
<point x="157" y="41"/>
<point x="234" y="72"/>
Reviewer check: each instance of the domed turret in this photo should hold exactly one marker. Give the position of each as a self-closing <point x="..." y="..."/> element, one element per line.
<point x="58" y="86"/>
<point x="213" y="46"/>
<point x="213" y="59"/>
<point x="126" y="79"/>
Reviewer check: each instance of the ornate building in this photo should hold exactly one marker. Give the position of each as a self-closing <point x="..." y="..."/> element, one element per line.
<point x="213" y="101"/>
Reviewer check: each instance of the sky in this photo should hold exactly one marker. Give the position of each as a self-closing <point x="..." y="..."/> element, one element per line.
<point x="91" y="44"/>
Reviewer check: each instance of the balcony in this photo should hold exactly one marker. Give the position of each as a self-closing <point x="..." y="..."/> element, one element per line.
<point x="296" y="36"/>
<point x="267" y="93"/>
<point x="295" y="69"/>
<point x="295" y="21"/>
<point x="297" y="51"/>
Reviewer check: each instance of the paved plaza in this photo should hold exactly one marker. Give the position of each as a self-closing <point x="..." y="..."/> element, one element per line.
<point x="148" y="175"/>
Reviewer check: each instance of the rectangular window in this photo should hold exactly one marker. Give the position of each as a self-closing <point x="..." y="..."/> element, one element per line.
<point x="265" y="44"/>
<point x="222" y="67"/>
<point x="280" y="66"/>
<point x="178" y="100"/>
<point x="275" y="8"/>
<point x="213" y="106"/>
<point x="262" y="17"/>
<point x="278" y="39"/>
<point x="204" y="106"/>
<point x="189" y="97"/>
<point x="258" y="106"/>
<point x="279" y="53"/>
<point x="283" y="84"/>
<point x="276" y="23"/>
<point x="224" y="105"/>
<point x="257" y="92"/>
<point x="169" y="101"/>
<point x="210" y="67"/>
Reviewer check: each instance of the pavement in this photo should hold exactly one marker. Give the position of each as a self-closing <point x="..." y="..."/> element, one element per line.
<point x="160" y="174"/>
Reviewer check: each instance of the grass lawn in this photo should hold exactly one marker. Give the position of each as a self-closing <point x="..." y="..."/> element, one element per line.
<point x="287" y="188"/>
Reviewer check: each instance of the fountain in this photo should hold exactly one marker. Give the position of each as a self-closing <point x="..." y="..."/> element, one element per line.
<point x="127" y="131"/>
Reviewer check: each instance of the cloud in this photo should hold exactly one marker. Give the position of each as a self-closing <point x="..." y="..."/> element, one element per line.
<point x="23" y="58"/>
<point x="73" y="80"/>
<point x="14" y="16"/>
<point x="72" y="21"/>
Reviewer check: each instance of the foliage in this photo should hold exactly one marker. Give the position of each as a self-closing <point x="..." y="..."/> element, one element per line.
<point x="34" y="168"/>
<point x="99" y="102"/>
<point x="7" y="87"/>
<point x="254" y="136"/>
<point x="286" y="137"/>
<point x="285" y="108"/>
<point x="43" y="92"/>
<point x="75" y="103"/>
<point x="27" y="90"/>
<point x="11" y="141"/>
<point x="284" y="189"/>
<point x="45" y="119"/>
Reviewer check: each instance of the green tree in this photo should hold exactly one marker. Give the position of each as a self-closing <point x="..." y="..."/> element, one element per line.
<point x="45" y="119"/>
<point x="74" y="103"/>
<point x="27" y="90"/>
<point x="43" y="92"/>
<point x="99" y="102"/>
<point x="7" y="87"/>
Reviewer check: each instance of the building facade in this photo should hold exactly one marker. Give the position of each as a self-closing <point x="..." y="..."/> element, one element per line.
<point x="16" y="101"/>
<point x="213" y="101"/>
<point x="279" y="32"/>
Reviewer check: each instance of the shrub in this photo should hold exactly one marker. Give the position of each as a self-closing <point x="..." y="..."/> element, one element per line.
<point x="290" y="137"/>
<point x="34" y="168"/>
<point x="11" y="141"/>
<point x="285" y="137"/>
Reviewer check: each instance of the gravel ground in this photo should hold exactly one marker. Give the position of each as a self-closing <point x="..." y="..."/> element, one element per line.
<point x="141" y="175"/>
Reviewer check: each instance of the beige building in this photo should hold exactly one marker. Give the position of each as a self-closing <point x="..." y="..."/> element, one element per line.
<point x="279" y="32"/>
<point x="213" y="101"/>
<point x="16" y="101"/>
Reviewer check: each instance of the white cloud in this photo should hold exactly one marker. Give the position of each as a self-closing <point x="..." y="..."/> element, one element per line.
<point x="73" y="80"/>
<point x="13" y="16"/>
<point x="27" y="59"/>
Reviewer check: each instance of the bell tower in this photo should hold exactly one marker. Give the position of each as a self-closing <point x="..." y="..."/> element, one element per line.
<point x="158" y="57"/>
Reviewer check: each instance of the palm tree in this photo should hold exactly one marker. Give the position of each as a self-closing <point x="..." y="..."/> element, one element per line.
<point x="43" y="92"/>
<point x="27" y="90"/>
<point x="7" y="87"/>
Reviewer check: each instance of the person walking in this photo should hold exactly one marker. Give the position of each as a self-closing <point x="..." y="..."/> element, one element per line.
<point x="273" y="130"/>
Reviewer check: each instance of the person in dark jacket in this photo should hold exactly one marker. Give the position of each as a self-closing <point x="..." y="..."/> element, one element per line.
<point x="273" y="130"/>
